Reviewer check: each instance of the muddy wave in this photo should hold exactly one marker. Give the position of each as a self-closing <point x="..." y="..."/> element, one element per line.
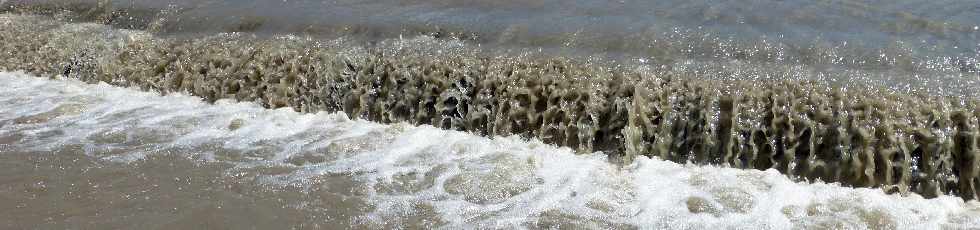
<point x="175" y="160"/>
<point x="850" y="129"/>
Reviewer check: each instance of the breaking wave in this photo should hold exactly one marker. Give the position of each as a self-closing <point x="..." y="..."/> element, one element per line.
<point x="903" y="133"/>
<point x="406" y="175"/>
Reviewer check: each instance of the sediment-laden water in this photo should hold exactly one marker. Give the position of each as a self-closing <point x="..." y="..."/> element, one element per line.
<point x="79" y="155"/>
<point x="862" y="131"/>
<point x="888" y="102"/>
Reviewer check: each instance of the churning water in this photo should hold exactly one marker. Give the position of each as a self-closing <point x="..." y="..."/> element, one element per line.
<point x="489" y="114"/>
<point x="97" y="156"/>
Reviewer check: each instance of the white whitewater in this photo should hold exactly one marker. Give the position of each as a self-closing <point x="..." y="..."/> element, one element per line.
<point x="462" y="179"/>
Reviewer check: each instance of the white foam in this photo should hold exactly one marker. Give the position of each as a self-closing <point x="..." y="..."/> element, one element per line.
<point x="465" y="180"/>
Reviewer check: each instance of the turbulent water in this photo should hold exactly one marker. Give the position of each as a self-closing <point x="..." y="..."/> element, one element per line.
<point x="261" y="114"/>
<point x="79" y="155"/>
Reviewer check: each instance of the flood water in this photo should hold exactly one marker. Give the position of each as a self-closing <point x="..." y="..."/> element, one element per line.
<point x="77" y="155"/>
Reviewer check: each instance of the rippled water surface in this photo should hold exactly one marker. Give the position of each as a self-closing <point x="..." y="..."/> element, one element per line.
<point x="910" y="45"/>
<point x="945" y="27"/>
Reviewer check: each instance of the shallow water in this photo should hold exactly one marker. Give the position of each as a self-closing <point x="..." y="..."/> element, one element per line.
<point x="78" y="155"/>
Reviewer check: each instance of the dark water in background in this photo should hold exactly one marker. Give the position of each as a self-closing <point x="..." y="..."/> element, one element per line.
<point x="946" y="27"/>
<point x="909" y="46"/>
